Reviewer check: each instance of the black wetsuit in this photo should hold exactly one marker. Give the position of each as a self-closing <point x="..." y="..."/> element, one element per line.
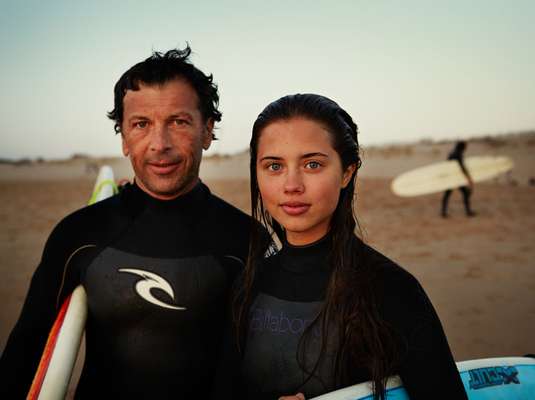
<point x="157" y="276"/>
<point x="457" y="155"/>
<point x="290" y="291"/>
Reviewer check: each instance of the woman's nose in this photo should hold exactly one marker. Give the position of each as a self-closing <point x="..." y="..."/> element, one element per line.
<point x="294" y="182"/>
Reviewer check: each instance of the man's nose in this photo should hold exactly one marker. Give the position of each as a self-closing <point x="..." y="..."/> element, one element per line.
<point x="160" y="138"/>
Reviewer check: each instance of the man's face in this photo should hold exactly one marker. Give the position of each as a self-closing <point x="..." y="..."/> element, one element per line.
<point x="163" y="133"/>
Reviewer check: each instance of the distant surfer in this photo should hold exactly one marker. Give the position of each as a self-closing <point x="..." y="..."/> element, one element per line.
<point x="157" y="260"/>
<point x="327" y="310"/>
<point x="457" y="154"/>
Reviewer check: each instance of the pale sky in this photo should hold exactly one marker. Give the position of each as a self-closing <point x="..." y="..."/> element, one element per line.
<point x="404" y="70"/>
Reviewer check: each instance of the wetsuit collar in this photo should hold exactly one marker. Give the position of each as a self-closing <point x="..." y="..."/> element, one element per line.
<point x="302" y="259"/>
<point x="187" y="204"/>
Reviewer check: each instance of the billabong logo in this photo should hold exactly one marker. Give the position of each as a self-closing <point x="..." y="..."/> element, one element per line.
<point x="152" y="281"/>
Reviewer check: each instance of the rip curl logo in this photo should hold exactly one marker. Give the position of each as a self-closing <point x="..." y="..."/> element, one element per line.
<point x="152" y="281"/>
<point x="493" y="376"/>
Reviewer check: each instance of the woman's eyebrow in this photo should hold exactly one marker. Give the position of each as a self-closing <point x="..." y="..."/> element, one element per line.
<point x="306" y="155"/>
<point x="316" y="154"/>
<point x="270" y="158"/>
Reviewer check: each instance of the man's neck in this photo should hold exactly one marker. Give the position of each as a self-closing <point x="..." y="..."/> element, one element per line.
<point x="167" y="196"/>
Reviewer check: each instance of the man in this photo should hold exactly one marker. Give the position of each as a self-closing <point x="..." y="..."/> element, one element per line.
<point x="458" y="155"/>
<point x="156" y="261"/>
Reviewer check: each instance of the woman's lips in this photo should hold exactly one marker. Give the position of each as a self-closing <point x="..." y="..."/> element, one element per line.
<point x="295" y="208"/>
<point x="163" y="168"/>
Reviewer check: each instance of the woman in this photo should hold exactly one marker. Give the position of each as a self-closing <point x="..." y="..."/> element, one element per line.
<point x="326" y="311"/>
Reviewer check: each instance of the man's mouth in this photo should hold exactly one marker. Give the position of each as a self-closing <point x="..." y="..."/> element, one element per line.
<point x="163" y="167"/>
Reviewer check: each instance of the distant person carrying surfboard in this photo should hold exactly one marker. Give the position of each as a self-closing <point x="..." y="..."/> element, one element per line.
<point x="156" y="260"/>
<point x="327" y="310"/>
<point x="457" y="154"/>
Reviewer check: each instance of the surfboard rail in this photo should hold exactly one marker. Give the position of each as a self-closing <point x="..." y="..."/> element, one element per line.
<point x="51" y="380"/>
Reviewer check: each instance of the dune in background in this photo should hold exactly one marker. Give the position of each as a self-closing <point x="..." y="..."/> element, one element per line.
<point x="479" y="272"/>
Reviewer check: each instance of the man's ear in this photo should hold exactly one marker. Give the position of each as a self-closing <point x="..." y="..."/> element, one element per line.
<point x="348" y="174"/>
<point x="208" y="134"/>
<point x="126" y="150"/>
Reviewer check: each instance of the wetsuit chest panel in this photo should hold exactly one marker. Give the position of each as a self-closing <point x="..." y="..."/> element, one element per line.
<point x="270" y="361"/>
<point x="125" y="289"/>
<point x="153" y="320"/>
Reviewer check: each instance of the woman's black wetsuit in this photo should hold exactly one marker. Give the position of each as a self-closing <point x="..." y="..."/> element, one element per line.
<point x="289" y="293"/>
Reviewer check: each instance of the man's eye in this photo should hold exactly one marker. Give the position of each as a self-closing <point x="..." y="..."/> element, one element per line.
<point x="312" y="165"/>
<point x="140" y="124"/>
<point x="274" y="167"/>
<point x="180" y="122"/>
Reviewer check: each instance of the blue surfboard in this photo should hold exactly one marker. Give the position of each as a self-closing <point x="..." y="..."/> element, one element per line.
<point x="507" y="378"/>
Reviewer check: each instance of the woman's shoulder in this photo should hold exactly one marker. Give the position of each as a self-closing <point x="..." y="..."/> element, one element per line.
<point x="385" y="271"/>
<point x="400" y="296"/>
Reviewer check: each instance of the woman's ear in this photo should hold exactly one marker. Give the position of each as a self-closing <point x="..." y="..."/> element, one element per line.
<point x="348" y="174"/>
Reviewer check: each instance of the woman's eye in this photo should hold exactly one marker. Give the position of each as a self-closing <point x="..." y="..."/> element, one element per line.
<point x="312" y="165"/>
<point x="274" y="167"/>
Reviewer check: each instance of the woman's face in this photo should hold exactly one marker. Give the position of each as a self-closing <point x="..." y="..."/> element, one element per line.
<point x="300" y="177"/>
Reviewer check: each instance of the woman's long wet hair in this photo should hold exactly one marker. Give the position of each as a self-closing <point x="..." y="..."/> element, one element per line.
<point x="350" y="311"/>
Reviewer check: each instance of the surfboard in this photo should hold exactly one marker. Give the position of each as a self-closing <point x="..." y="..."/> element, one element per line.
<point x="506" y="378"/>
<point x="105" y="185"/>
<point x="51" y="381"/>
<point x="57" y="362"/>
<point x="445" y="175"/>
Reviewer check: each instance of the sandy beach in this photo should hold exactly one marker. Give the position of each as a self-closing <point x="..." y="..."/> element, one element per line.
<point x="479" y="272"/>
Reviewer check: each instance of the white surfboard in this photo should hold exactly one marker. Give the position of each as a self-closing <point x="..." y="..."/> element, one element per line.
<point x="57" y="362"/>
<point x="506" y="378"/>
<point x="448" y="175"/>
<point x="51" y="381"/>
<point x="104" y="186"/>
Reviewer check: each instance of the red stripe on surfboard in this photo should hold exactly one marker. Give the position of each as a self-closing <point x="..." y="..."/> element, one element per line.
<point x="39" y="377"/>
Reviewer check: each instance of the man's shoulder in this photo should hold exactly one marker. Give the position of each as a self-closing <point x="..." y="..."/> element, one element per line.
<point x="88" y="221"/>
<point x="97" y="210"/>
<point x="224" y="211"/>
<point x="226" y="228"/>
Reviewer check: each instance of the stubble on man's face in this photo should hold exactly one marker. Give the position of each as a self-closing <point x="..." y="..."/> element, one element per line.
<point x="164" y="133"/>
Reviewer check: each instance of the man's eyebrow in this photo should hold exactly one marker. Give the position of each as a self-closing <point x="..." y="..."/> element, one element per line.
<point x="137" y="116"/>
<point x="181" y="114"/>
